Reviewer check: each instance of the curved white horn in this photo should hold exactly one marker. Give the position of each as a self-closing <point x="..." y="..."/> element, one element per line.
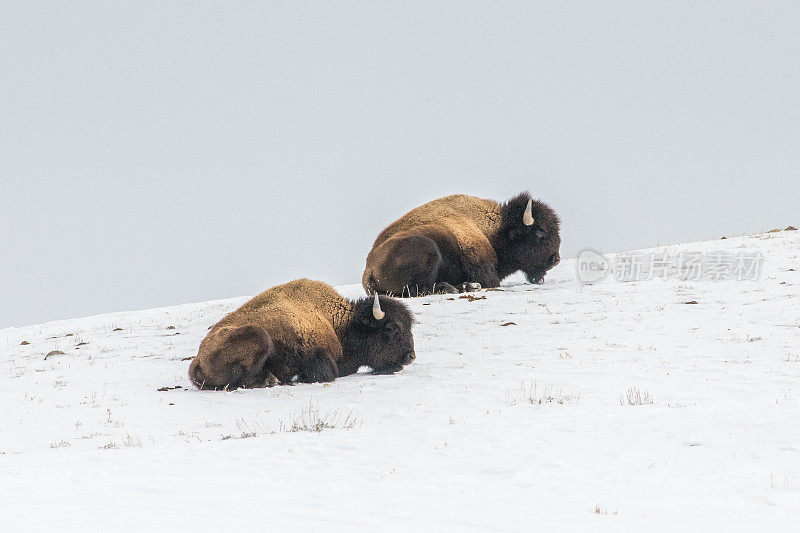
<point x="527" y="217"/>
<point x="376" y="309"/>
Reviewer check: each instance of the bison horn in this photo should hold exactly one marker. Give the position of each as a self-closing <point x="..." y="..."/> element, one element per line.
<point x="376" y="309"/>
<point x="527" y="217"/>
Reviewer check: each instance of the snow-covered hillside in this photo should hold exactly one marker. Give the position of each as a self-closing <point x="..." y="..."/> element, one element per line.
<point x="516" y="416"/>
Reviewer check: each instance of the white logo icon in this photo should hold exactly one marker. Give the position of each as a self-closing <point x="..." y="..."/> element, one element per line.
<point x="592" y="266"/>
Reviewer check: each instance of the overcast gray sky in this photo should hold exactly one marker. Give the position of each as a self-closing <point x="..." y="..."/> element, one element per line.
<point x="156" y="153"/>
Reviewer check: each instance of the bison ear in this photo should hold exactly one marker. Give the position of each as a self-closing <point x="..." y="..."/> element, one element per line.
<point x="368" y="310"/>
<point x="368" y="320"/>
<point x="519" y="234"/>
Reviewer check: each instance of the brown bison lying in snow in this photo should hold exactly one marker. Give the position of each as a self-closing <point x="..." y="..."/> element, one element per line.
<point x="304" y="331"/>
<point x="460" y="241"/>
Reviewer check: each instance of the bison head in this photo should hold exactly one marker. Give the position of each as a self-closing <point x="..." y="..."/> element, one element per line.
<point x="528" y="239"/>
<point x="232" y="357"/>
<point x="380" y="334"/>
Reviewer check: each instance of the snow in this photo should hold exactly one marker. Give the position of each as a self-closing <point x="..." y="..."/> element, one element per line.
<point x="503" y="428"/>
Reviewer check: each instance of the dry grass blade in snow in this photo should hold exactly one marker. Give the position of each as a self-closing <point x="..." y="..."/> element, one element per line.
<point x="634" y="396"/>
<point x="535" y="395"/>
<point x="310" y="419"/>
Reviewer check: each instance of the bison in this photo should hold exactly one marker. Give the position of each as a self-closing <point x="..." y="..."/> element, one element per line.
<point x="465" y="242"/>
<point x="303" y="331"/>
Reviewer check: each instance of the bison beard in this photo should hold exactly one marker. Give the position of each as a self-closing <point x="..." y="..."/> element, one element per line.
<point x="303" y="331"/>
<point x="459" y="241"/>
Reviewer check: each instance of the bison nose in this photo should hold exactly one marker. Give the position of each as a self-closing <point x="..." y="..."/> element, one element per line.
<point x="555" y="259"/>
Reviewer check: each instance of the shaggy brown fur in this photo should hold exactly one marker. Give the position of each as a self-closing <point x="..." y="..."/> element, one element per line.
<point x="305" y="331"/>
<point x="461" y="239"/>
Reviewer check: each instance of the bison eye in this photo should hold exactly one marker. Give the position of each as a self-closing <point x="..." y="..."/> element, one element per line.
<point x="539" y="232"/>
